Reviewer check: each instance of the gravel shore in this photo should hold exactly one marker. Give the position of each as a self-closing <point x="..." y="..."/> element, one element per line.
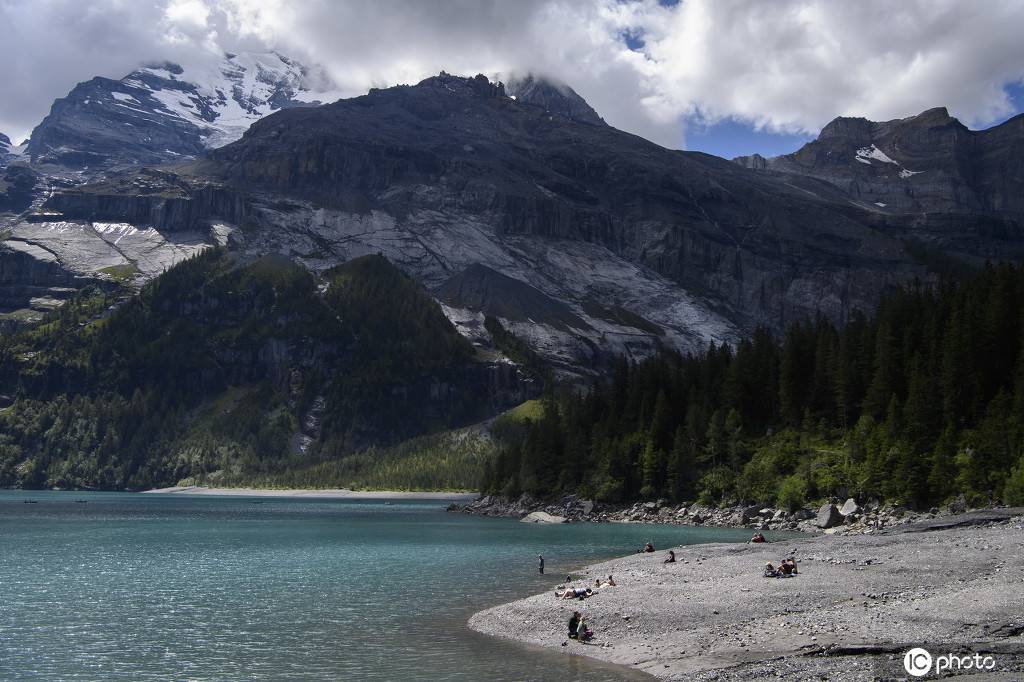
<point x="950" y="585"/>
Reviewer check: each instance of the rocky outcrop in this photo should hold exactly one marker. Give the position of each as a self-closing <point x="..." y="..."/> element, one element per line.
<point x="482" y="289"/>
<point x="152" y="198"/>
<point x="828" y="517"/>
<point x="17" y="188"/>
<point x="5" y="149"/>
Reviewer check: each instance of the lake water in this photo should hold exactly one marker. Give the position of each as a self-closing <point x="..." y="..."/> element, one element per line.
<point x="154" y="587"/>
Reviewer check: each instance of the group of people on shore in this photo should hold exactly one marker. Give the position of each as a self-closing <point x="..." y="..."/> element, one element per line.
<point x="578" y="628"/>
<point x="582" y="593"/>
<point x="786" y="569"/>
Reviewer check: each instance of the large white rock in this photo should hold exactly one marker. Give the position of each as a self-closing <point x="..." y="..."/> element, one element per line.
<point x="543" y="517"/>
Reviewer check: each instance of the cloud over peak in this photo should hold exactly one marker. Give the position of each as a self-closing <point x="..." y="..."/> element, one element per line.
<point x="785" y="66"/>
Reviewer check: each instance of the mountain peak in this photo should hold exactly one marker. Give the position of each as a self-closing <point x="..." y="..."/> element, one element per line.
<point x="477" y="86"/>
<point x="164" y="111"/>
<point x="555" y="96"/>
<point x="848" y="127"/>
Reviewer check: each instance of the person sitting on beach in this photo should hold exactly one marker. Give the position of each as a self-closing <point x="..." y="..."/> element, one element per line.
<point x="784" y="570"/>
<point x="791" y="562"/>
<point x="671" y="557"/>
<point x="583" y="633"/>
<point x="574" y="624"/>
<point x="769" y="571"/>
<point x="649" y="547"/>
<point x="575" y="593"/>
<point x="758" y="537"/>
<point x="610" y="582"/>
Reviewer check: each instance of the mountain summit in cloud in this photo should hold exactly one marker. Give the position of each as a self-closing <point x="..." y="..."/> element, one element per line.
<point x="164" y="112"/>
<point x="555" y="96"/>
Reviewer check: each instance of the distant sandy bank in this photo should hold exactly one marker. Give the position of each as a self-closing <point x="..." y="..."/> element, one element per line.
<point x="331" y="493"/>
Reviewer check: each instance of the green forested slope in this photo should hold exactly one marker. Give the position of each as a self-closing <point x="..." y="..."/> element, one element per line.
<point x="248" y="369"/>
<point x="919" y="403"/>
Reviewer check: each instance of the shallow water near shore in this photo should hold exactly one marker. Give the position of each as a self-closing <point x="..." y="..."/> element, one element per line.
<point x="119" y="586"/>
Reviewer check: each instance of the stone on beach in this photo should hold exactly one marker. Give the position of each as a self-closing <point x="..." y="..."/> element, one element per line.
<point x="828" y="517"/>
<point x="543" y="517"/>
<point x="849" y="508"/>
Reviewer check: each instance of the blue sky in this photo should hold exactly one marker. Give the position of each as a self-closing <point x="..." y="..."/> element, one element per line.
<point x="730" y="138"/>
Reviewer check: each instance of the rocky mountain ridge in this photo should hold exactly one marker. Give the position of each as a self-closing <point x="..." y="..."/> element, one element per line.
<point x="926" y="164"/>
<point x="584" y="241"/>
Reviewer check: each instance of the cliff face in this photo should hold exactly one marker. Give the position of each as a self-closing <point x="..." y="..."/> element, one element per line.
<point x="767" y="250"/>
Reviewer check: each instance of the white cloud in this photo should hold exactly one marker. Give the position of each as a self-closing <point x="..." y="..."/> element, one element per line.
<point x="793" y="65"/>
<point x="787" y="65"/>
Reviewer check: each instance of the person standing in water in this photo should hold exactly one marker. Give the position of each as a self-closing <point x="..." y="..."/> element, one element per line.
<point x="540" y="563"/>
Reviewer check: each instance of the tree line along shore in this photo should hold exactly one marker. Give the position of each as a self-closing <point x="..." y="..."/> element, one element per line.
<point x="920" y="405"/>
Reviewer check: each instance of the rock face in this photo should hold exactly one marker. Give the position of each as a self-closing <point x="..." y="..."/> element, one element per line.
<point x="164" y="113"/>
<point x="963" y="187"/>
<point x="828" y="517"/>
<point x="17" y="188"/>
<point x="452" y="150"/>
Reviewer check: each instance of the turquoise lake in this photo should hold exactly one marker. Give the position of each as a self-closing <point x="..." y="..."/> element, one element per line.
<point x="154" y="587"/>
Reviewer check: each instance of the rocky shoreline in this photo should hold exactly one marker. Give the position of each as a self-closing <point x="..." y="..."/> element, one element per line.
<point x="842" y="518"/>
<point x="950" y="585"/>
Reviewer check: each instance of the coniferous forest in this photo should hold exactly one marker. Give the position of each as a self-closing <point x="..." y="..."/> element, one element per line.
<point x="917" y="404"/>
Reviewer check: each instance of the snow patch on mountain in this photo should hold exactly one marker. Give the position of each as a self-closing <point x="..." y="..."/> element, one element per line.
<point x="865" y="154"/>
<point x="167" y="112"/>
<point x="874" y="152"/>
<point x="224" y="99"/>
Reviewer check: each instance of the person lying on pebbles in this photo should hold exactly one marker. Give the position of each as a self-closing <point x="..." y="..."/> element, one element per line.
<point x="575" y="593"/>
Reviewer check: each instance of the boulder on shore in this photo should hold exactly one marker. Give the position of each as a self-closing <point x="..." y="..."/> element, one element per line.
<point x="543" y="517"/>
<point x="749" y="514"/>
<point x="828" y="517"/>
<point x="849" y="507"/>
